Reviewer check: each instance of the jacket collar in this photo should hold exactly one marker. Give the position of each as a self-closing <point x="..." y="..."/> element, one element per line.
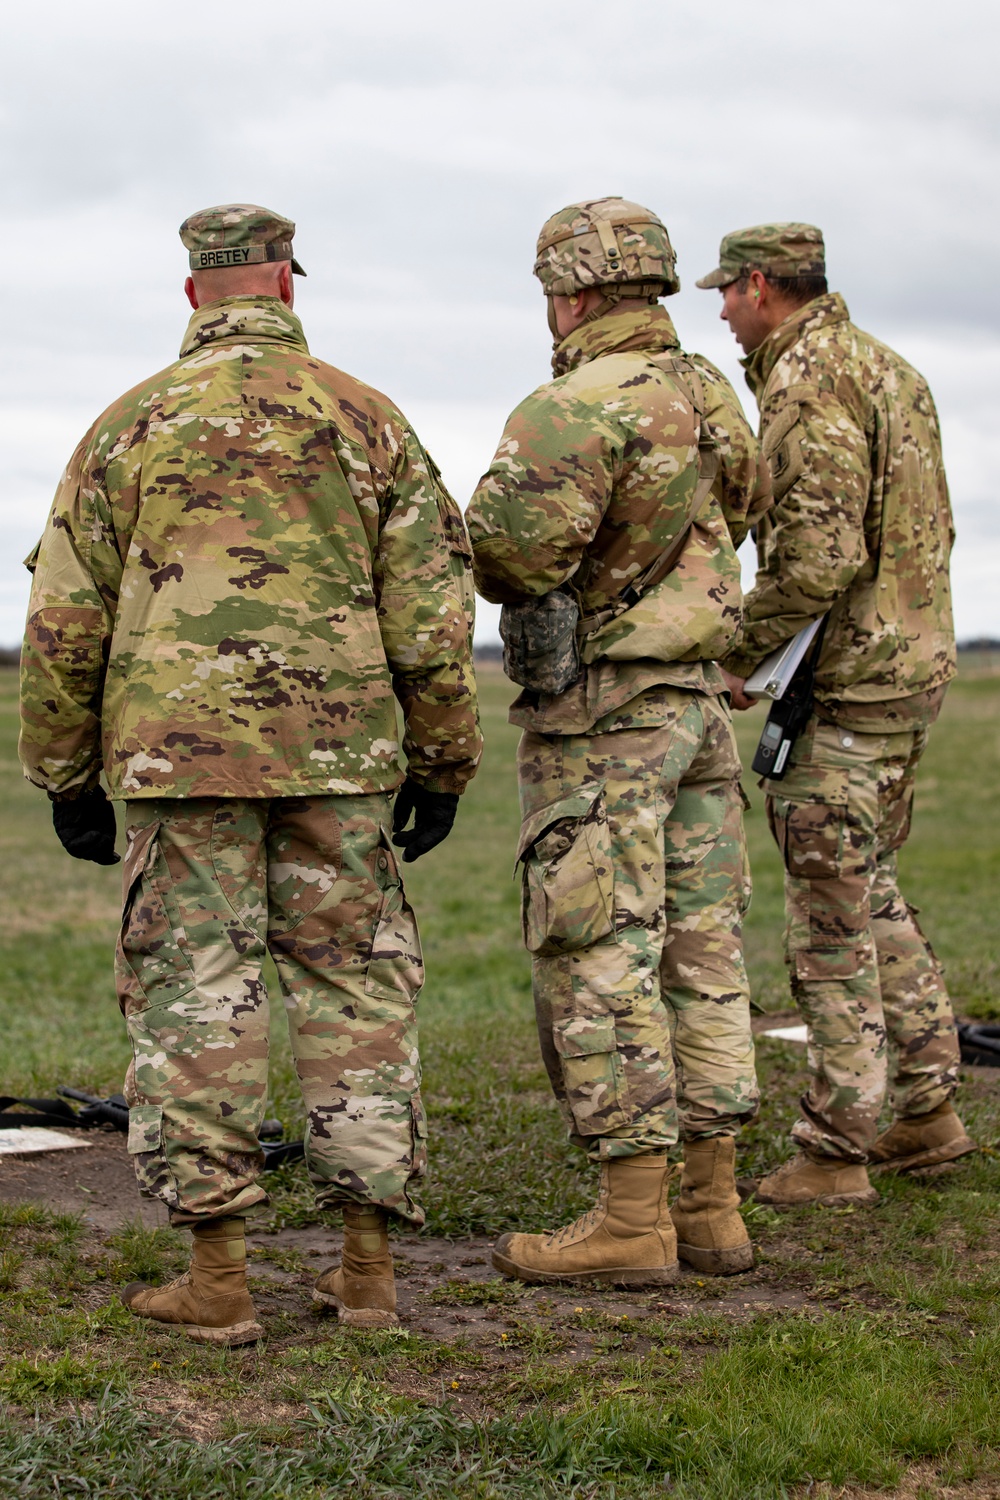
<point x="621" y="328"/>
<point x="819" y="313"/>
<point x="259" y="320"/>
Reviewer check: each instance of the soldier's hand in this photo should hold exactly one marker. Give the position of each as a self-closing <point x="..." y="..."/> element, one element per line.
<point x="433" y="816"/>
<point x="85" y="826"/>
<point x="734" y="687"/>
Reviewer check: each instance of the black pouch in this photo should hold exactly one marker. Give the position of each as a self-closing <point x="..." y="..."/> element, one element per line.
<point x="540" y="649"/>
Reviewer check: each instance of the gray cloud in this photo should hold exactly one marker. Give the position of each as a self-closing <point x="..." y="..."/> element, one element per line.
<point x="419" y="148"/>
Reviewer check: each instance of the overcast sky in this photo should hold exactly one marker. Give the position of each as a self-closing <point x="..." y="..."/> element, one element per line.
<point x="419" y="147"/>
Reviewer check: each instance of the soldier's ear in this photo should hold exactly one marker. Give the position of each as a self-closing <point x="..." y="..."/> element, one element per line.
<point x="190" y="293"/>
<point x="286" y="284"/>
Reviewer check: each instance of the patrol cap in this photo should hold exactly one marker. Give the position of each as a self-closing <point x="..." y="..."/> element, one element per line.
<point x="775" y="249"/>
<point x="605" y="242"/>
<point x="237" y="234"/>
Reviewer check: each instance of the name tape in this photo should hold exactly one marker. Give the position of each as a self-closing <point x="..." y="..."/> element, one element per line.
<point x="239" y="255"/>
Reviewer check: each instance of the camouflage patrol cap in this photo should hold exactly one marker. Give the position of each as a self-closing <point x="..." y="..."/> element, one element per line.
<point x="604" y="242"/>
<point x="237" y="234"/>
<point x="774" y="249"/>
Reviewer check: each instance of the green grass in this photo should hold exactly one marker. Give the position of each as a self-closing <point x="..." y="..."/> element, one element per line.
<point x="881" y="1359"/>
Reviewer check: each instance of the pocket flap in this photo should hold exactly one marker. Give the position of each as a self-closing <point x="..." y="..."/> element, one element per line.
<point x="145" y="1128"/>
<point x="825" y="786"/>
<point x="583" y="1036"/>
<point x="576" y="806"/>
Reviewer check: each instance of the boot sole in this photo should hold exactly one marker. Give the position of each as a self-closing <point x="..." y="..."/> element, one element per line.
<point x="239" y="1333"/>
<point x="613" y="1276"/>
<point x="936" y="1156"/>
<point x="248" y="1332"/>
<point x="355" y="1317"/>
<point x="717" y="1262"/>
<point x="867" y="1199"/>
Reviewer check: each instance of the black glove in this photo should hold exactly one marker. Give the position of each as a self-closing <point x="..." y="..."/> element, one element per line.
<point x="85" y="826"/>
<point x="433" y="816"/>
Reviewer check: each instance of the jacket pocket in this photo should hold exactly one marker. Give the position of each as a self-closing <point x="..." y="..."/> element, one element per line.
<point x="567" y="882"/>
<point x="395" y="969"/>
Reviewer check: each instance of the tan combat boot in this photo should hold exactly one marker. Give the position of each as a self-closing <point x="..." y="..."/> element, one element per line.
<point x="362" y="1287"/>
<point x="210" y="1301"/>
<point x="711" y="1235"/>
<point x="628" y="1239"/>
<point x="921" y="1141"/>
<point x="825" y="1180"/>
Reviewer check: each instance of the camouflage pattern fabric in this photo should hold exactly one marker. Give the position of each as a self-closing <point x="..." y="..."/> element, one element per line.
<point x="635" y="882"/>
<point x="605" y="242"/>
<point x="592" y="481"/>
<point x="862" y="972"/>
<point x="783" y="250"/>
<point x="861" y="524"/>
<point x="210" y="885"/>
<point x="237" y="234"/>
<point x="249" y="559"/>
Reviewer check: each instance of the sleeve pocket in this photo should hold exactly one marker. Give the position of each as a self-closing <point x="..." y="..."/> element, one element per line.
<point x="782" y="447"/>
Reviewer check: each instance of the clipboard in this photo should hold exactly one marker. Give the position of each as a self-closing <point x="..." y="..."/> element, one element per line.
<point x="772" y="678"/>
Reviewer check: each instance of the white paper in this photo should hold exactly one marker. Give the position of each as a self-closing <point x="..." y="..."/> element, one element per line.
<point x="28" y="1139"/>
<point x="789" y="1033"/>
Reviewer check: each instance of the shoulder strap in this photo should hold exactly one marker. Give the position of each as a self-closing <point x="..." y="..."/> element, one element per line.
<point x="688" y="378"/>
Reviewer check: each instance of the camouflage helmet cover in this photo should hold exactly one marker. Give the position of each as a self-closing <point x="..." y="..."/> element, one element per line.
<point x="604" y="242"/>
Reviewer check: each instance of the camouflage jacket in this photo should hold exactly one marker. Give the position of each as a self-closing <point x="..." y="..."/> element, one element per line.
<point x="861" y="519"/>
<point x="593" y="479"/>
<point x="248" y="561"/>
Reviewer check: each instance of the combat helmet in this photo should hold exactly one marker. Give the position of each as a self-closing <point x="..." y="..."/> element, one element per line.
<point x="606" y="242"/>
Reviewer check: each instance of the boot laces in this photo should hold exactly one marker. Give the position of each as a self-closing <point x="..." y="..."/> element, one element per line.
<point x="581" y="1226"/>
<point x="178" y="1283"/>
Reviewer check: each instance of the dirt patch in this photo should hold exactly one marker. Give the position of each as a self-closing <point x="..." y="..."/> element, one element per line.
<point x="447" y="1288"/>
<point x="98" y="1183"/>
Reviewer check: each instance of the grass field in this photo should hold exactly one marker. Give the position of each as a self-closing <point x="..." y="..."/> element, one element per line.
<point x="867" y="1357"/>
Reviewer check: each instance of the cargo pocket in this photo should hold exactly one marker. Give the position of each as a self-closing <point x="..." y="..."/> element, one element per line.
<point x="145" y="1146"/>
<point x="151" y="965"/>
<point x="395" y="970"/>
<point x="593" y="1073"/>
<point x="145" y="1129"/>
<point x="810" y="833"/>
<point x="567" y="881"/>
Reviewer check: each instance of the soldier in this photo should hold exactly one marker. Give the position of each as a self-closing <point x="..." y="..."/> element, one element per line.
<point x="249" y="560"/>
<point x="861" y="530"/>
<point x="617" y="493"/>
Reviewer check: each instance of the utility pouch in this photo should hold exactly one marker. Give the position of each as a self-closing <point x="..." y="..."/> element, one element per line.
<point x="540" y="650"/>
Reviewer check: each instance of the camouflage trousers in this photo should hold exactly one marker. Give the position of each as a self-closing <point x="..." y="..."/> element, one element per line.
<point x="635" y="882"/>
<point x="210" y="886"/>
<point x="861" y="970"/>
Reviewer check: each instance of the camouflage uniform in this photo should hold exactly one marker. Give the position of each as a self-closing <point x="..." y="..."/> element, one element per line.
<point x="861" y="527"/>
<point x="634" y="867"/>
<point x="249" y="560"/>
